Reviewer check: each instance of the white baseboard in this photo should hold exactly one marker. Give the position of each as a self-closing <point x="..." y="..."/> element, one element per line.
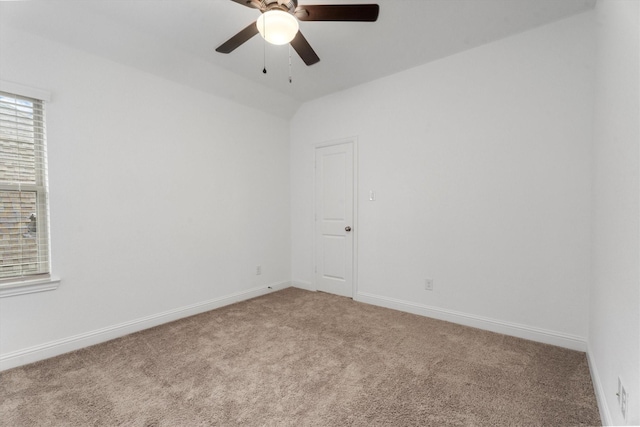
<point x="65" y="345"/>
<point x="605" y="415"/>
<point x="303" y="285"/>
<point x="513" y="329"/>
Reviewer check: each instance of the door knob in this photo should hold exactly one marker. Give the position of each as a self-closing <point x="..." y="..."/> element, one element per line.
<point x="347" y="228"/>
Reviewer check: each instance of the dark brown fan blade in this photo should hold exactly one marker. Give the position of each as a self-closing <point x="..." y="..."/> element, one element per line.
<point x="304" y="49"/>
<point x="338" y="12"/>
<point x="254" y="4"/>
<point x="235" y="41"/>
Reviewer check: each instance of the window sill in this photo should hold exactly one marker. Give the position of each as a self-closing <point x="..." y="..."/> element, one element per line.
<point x="29" y="287"/>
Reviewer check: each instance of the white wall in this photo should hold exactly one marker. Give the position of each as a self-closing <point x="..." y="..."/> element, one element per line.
<point x="481" y="163"/>
<point x="614" y="321"/>
<point x="162" y="197"/>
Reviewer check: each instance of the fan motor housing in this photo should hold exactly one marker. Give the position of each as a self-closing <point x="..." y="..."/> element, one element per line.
<point x="284" y="5"/>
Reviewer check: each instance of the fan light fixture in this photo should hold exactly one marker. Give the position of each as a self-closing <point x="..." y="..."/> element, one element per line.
<point x="281" y="27"/>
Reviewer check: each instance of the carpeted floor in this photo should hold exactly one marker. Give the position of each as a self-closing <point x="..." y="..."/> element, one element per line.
<point x="299" y="358"/>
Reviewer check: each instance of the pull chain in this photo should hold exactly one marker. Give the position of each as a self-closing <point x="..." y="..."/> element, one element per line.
<point x="264" y="49"/>
<point x="290" y="80"/>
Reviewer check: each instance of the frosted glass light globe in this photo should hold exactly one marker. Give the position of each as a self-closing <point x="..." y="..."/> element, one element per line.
<point x="277" y="26"/>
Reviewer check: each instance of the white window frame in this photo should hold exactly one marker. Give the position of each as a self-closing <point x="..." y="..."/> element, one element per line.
<point x="36" y="283"/>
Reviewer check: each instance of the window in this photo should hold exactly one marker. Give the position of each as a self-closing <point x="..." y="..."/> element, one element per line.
<point x="24" y="211"/>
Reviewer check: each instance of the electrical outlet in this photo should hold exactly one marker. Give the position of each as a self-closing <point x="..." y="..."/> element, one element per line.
<point x="623" y="402"/>
<point x="622" y="399"/>
<point x="428" y="284"/>
<point x="258" y="270"/>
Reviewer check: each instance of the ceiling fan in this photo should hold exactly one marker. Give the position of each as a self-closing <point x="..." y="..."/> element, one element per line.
<point x="278" y="23"/>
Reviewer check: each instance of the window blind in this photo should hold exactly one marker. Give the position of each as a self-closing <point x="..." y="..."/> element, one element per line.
<point x="24" y="213"/>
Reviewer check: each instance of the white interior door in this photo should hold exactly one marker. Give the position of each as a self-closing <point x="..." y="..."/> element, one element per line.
<point x="334" y="211"/>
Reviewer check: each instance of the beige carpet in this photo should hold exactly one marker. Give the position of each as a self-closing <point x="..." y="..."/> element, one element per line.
<point x="298" y="358"/>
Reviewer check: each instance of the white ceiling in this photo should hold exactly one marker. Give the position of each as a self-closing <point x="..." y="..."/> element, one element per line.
<point x="176" y="39"/>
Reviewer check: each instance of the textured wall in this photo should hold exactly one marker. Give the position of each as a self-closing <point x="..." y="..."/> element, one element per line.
<point x="481" y="163"/>
<point x="614" y="326"/>
<point x="161" y="196"/>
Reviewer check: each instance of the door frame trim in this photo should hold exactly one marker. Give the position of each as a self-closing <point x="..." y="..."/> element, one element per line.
<point x="354" y="141"/>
